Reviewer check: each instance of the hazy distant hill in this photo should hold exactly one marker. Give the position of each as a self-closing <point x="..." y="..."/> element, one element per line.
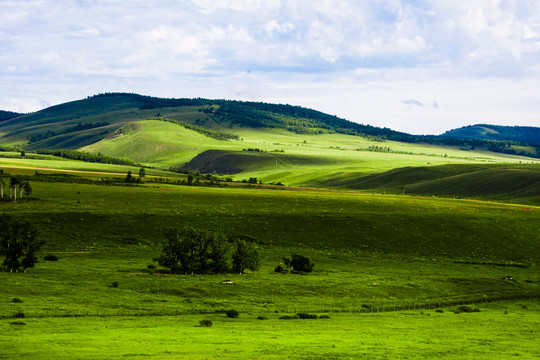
<point x="523" y="134"/>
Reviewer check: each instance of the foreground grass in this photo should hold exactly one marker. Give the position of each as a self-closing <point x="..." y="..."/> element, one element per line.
<point x="499" y="331"/>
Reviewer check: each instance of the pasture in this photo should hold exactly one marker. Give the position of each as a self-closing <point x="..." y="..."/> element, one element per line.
<point x="371" y="251"/>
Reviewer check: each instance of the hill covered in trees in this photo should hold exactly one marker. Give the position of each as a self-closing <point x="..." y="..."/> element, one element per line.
<point x="522" y="134"/>
<point x="6" y="115"/>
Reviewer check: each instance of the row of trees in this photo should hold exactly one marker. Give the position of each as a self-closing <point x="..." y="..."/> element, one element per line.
<point x="16" y="184"/>
<point x="189" y="251"/>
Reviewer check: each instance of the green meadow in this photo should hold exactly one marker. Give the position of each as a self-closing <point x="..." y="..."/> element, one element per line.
<point x="383" y="263"/>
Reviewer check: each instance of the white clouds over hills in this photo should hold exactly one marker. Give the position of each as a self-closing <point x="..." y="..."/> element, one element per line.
<point x="330" y="55"/>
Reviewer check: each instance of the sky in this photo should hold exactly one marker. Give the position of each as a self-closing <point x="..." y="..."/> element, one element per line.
<point x="419" y="66"/>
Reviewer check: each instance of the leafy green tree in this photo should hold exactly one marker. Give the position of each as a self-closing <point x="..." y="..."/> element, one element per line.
<point x="129" y="177"/>
<point x="14" y="182"/>
<point x="18" y="240"/>
<point x="245" y="256"/>
<point x="27" y="189"/>
<point x="219" y="247"/>
<point x="301" y="263"/>
<point x="142" y="174"/>
<point x="179" y="251"/>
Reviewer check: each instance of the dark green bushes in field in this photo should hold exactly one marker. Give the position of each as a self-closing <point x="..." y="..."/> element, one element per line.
<point x="465" y="309"/>
<point x="296" y="264"/>
<point x="307" y="316"/>
<point x="205" y="323"/>
<point x="50" y="258"/>
<point x="232" y="313"/>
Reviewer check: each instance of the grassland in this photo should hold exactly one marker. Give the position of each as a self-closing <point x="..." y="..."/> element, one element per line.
<point x="499" y="331"/>
<point x="369" y="250"/>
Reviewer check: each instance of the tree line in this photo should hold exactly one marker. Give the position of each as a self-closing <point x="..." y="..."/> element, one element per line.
<point x="88" y="157"/>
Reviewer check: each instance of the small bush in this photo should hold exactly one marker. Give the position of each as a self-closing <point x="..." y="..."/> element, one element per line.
<point x="17" y="323"/>
<point x="324" y="317"/>
<point x="50" y="257"/>
<point x="205" y="323"/>
<point x="18" y="315"/>
<point x="16" y="300"/>
<point x="466" y="309"/>
<point x="439" y="310"/>
<point x="261" y="317"/>
<point x="114" y="284"/>
<point x="279" y="269"/>
<point x="307" y="316"/>
<point x="151" y="267"/>
<point x="289" y="317"/>
<point x="231" y="313"/>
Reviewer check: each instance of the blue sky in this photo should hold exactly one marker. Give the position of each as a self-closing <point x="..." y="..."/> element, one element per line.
<point x="417" y="66"/>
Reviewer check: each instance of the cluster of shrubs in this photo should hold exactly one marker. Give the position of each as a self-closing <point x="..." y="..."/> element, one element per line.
<point x="50" y="257"/>
<point x="303" y="316"/>
<point x="297" y="264"/>
<point x="465" y="309"/>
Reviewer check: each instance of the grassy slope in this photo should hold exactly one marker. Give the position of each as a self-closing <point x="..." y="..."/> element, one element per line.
<point x="164" y="144"/>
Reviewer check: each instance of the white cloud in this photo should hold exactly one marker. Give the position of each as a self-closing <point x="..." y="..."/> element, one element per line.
<point x="356" y="59"/>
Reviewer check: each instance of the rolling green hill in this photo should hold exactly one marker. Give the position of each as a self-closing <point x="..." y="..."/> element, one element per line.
<point x="520" y="134"/>
<point x="274" y="143"/>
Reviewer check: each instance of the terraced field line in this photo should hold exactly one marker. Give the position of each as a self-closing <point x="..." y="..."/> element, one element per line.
<point x="63" y="170"/>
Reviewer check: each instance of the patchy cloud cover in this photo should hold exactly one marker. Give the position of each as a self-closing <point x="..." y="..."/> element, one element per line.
<point x="421" y="66"/>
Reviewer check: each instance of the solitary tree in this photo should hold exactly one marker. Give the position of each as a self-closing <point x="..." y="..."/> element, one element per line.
<point x="129" y="177"/>
<point x="14" y="182"/>
<point x="18" y="240"/>
<point x="245" y="257"/>
<point x="27" y="189"/>
<point x="142" y="173"/>
<point x="1" y="186"/>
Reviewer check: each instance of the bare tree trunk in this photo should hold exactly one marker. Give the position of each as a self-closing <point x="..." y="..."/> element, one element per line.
<point x="15" y="192"/>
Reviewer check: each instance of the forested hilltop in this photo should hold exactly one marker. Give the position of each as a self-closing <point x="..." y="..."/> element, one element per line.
<point x="523" y="134"/>
<point x="6" y="115"/>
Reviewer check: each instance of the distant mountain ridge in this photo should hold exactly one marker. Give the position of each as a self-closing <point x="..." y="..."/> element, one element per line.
<point x="523" y="134"/>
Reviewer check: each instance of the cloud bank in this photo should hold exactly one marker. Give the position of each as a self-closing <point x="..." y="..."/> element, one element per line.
<point x="475" y="61"/>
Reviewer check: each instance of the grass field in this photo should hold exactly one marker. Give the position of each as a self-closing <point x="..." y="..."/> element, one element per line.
<point x="499" y="331"/>
<point x="371" y="251"/>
